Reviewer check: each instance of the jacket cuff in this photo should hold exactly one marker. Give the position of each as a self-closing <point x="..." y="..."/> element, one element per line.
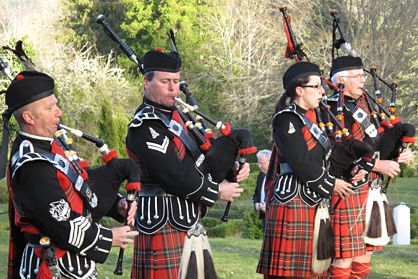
<point x="367" y="163"/>
<point x="99" y="249"/>
<point x="323" y="185"/>
<point x="208" y="194"/>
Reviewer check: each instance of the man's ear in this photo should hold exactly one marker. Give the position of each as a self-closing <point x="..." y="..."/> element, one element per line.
<point x="28" y="117"/>
<point x="146" y="84"/>
<point x="339" y="79"/>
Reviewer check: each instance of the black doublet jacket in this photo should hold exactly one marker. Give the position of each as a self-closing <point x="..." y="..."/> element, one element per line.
<point x="47" y="204"/>
<point x="302" y="160"/>
<point x="173" y="189"/>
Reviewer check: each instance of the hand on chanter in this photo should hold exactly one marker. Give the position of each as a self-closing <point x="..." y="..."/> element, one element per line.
<point x="405" y="156"/>
<point x="263" y="207"/>
<point x="342" y="188"/>
<point x="387" y="167"/>
<point x="121" y="236"/>
<point x="123" y="207"/>
<point x="357" y="174"/>
<point x="257" y="206"/>
<point x="243" y="173"/>
<point x="228" y="191"/>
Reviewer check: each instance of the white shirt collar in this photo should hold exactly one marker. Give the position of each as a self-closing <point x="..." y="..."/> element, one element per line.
<point x="36" y="137"/>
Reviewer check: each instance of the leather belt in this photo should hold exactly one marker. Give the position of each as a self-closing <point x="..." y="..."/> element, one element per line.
<point x="152" y="191"/>
<point x="32" y="238"/>
<point x="285" y="168"/>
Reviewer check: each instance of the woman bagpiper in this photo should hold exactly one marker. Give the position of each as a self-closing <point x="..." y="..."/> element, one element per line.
<point x="302" y="180"/>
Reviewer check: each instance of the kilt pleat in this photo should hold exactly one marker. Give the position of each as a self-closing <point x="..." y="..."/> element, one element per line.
<point x="348" y="224"/>
<point x="288" y="239"/>
<point x="158" y="255"/>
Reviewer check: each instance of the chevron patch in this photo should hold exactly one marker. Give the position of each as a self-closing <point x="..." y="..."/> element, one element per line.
<point x="78" y="226"/>
<point x="154" y="134"/>
<point x="159" y="147"/>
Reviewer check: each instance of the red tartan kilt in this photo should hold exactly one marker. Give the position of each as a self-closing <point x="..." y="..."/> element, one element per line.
<point x="371" y="248"/>
<point x="348" y="224"/>
<point x="288" y="237"/>
<point x="158" y="255"/>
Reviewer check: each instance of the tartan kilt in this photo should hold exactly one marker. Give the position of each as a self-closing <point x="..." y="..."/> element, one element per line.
<point x="348" y="223"/>
<point x="371" y="248"/>
<point x="288" y="239"/>
<point x="158" y="255"/>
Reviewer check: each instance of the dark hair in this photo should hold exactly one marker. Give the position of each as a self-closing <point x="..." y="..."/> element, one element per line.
<point x="149" y="75"/>
<point x="284" y="100"/>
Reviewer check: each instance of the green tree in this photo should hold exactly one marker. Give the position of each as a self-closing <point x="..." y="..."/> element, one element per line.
<point x="107" y="127"/>
<point x="121" y="129"/>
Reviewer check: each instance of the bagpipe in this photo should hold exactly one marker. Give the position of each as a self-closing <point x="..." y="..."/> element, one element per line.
<point x="342" y="41"/>
<point x="293" y="49"/>
<point x="392" y="137"/>
<point x="105" y="180"/>
<point x="221" y="152"/>
<point x="392" y="134"/>
<point x="334" y="125"/>
<point x="391" y="141"/>
<point x="346" y="153"/>
<point x="101" y="187"/>
<point x="395" y="135"/>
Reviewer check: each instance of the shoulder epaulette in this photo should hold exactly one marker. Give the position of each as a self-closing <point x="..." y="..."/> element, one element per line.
<point x="147" y="113"/>
<point x="291" y="108"/>
<point x="27" y="154"/>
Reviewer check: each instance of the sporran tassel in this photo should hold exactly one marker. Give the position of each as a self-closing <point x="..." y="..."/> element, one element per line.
<point x="192" y="266"/>
<point x="196" y="261"/>
<point x="390" y="222"/>
<point x="326" y="244"/>
<point x="186" y="257"/>
<point x="376" y="233"/>
<point x="323" y="239"/>
<point x="375" y="224"/>
<point x="210" y="272"/>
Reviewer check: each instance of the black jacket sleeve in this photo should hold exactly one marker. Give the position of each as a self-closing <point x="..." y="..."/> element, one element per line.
<point x="39" y="195"/>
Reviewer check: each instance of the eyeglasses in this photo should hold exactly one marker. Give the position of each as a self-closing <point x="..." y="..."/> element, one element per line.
<point x="358" y="77"/>
<point x="317" y="87"/>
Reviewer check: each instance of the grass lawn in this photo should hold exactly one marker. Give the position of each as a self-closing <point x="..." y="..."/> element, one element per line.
<point x="236" y="257"/>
